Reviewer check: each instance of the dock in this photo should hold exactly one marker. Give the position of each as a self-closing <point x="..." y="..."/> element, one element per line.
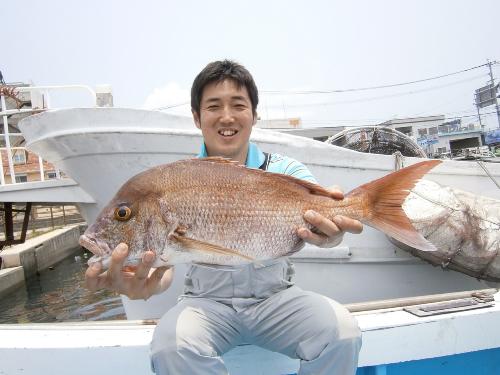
<point x="36" y="254"/>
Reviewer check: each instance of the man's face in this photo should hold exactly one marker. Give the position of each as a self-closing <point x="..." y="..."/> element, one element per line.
<point x="225" y="119"/>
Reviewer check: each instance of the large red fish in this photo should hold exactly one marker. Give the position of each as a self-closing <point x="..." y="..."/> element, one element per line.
<point x="215" y="211"/>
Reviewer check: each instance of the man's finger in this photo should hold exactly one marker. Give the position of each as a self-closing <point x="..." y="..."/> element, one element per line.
<point x="348" y="225"/>
<point x="92" y="276"/>
<point x="117" y="259"/>
<point x="310" y="237"/>
<point x="324" y="225"/>
<point x="154" y="283"/>
<point x="142" y="271"/>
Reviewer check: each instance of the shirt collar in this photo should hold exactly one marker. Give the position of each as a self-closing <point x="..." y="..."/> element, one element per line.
<point x="255" y="157"/>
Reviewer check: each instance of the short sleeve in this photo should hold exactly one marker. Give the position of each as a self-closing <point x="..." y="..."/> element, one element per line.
<point x="285" y="165"/>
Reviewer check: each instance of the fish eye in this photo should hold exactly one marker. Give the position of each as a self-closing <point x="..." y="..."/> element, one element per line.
<point x="122" y="213"/>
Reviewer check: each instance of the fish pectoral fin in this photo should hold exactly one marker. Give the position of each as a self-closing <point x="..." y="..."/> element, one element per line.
<point x="196" y="245"/>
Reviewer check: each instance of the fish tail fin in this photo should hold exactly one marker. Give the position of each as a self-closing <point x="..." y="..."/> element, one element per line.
<point x="383" y="200"/>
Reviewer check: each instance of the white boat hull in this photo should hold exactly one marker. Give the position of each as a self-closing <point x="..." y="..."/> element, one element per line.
<point x="101" y="148"/>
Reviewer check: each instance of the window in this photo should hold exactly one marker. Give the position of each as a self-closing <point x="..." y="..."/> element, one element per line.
<point x="51" y="175"/>
<point x="406" y="130"/>
<point x="433" y="131"/>
<point x="422" y="132"/>
<point x="21" y="178"/>
<point x="19" y="157"/>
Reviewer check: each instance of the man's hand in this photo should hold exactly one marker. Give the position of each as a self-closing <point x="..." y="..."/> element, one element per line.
<point x="332" y="232"/>
<point x="141" y="284"/>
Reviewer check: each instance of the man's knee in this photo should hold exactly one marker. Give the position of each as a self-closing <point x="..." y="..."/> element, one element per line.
<point x="182" y="338"/>
<point x="186" y="331"/>
<point x="172" y="348"/>
<point x="179" y="348"/>
<point x="334" y="329"/>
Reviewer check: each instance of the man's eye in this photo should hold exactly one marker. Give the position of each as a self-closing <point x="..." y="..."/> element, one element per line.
<point x="213" y="107"/>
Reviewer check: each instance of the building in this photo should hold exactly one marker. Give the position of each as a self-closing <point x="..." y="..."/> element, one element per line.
<point x="26" y="166"/>
<point x="293" y="126"/>
<point x="454" y="136"/>
<point x="436" y="136"/>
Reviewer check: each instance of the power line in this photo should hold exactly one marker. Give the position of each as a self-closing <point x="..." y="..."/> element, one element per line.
<point x="305" y="92"/>
<point x="373" y="98"/>
<point x="323" y="122"/>
<point x="171" y="106"/>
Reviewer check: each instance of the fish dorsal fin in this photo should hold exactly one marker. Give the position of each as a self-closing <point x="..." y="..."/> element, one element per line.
<point x="219" y="159"/>
<point x="310" y="186"/>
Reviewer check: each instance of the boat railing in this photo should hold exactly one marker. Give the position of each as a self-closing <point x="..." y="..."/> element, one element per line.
<point x="37" y="99"/>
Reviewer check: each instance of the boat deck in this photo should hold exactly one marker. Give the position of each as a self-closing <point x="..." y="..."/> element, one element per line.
<point x="394" y="342"/>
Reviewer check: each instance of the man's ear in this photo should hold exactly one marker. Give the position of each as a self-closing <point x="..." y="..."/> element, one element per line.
<point x="196" y="118"/>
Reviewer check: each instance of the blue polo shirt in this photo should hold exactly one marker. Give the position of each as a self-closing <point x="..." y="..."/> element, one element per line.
<point x="277" y="163"/>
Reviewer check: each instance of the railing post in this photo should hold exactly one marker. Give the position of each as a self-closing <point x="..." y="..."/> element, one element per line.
<point x="7" y="141"/>
<point x="40" y="165"/>
<point x="2" y="177"/>
<point x="105" y="98"/>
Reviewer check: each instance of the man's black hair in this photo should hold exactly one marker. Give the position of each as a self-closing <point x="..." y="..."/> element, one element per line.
<point x="219" y="71"/>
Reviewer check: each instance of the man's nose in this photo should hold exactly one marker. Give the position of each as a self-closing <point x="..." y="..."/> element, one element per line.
<point x="227" y="115"/>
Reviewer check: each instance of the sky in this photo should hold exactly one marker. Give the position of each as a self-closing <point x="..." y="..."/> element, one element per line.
<point x="150" y="51"/>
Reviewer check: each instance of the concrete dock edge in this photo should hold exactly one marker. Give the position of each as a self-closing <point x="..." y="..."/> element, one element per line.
<point x="36" y="254"/>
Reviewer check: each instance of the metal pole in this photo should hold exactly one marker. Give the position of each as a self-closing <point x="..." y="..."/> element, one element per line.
<point x="2" y="177"/>
<point x="40" y="167"/>
<point x="47" y="88"/>
<point x="7" y="141"/>
<point x="52" y="218"/>
<point x="479" y="115"/>
<point x="495" y="94"/>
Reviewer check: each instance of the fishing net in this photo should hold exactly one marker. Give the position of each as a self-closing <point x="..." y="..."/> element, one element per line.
<point x="377" y="140"/>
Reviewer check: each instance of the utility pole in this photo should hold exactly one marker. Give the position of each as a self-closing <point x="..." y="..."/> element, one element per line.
<point x="479" y="115"/>
<point x="493" y="88"/>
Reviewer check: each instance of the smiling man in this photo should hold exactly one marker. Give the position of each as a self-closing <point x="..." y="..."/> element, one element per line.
<point x="223" y="306"/>
<point x="227" y="116"/>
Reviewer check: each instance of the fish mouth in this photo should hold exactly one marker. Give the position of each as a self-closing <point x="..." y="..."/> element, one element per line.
<point x="227" y="132"/>
<point x="97" y="247"/>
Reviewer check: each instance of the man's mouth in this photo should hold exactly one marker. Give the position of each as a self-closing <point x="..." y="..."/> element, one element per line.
<point x="227" y="132"/>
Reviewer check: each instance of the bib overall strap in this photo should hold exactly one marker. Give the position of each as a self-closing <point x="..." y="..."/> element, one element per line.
<point x="266" y="161"/>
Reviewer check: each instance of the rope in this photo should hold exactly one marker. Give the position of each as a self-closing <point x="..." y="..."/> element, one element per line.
<point x="481" y="164"/>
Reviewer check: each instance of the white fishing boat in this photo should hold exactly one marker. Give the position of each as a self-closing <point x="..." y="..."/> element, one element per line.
<point x="100" y="148"/>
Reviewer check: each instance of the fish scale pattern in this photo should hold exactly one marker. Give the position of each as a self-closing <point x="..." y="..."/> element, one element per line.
<point x="235" y="212"/>
<point x="195" y="210"/>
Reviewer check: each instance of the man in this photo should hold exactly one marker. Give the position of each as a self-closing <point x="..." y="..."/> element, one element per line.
<point x="224" y="306"/>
